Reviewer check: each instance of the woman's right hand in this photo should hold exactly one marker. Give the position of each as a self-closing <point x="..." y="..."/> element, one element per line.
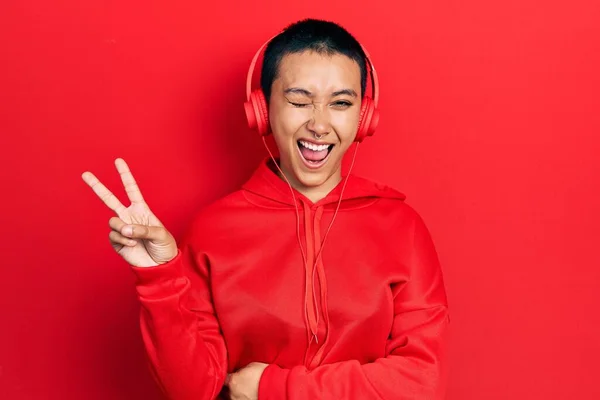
<point x="136" y="234"/>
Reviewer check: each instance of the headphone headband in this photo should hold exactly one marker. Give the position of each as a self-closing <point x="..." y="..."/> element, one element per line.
<point x="373" y="74"/>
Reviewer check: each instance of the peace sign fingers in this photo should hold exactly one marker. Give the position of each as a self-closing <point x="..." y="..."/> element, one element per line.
<point x="102" y="192"/>
<point x="131" y="187"/>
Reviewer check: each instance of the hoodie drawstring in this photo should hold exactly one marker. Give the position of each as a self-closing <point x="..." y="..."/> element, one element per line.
<point x="322" y="283"/>
<point x="318" y="264"/>
<point x="311" y="304"/>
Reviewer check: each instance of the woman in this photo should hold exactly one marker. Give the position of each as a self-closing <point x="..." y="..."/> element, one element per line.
<point x="266" y="297"/>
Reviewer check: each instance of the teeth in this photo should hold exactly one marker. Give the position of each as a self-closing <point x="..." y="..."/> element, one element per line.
<point x="314" y="147"/>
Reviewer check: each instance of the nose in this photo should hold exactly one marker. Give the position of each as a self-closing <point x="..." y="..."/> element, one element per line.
<point x="319" y="124"/>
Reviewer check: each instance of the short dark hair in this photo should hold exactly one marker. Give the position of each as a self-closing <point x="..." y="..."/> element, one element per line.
<point x="321" y="36"/>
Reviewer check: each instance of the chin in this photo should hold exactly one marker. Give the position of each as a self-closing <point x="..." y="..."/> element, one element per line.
<point x="312" y="178"/>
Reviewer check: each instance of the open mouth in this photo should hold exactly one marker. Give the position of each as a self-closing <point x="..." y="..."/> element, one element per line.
<point x="314" y="155"/>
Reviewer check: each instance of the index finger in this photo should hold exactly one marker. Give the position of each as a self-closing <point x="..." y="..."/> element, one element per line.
<point x="131" y="187"/>
<point x="103" y="193"/>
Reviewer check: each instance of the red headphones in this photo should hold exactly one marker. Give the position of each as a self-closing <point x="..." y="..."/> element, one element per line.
<point x="258" y="114"/>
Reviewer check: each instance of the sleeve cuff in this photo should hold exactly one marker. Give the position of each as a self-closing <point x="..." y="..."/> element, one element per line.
<point x="273" y="383"/>
<point x="160" y="280"/>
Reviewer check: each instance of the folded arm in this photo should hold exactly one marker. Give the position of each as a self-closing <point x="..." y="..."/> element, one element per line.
<point x="414" y="366"/>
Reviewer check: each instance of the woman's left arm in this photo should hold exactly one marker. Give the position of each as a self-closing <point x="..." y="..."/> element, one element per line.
<point x="414" y="367"/>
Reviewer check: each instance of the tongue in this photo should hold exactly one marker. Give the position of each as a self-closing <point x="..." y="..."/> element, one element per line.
<point x="312" y="155"/>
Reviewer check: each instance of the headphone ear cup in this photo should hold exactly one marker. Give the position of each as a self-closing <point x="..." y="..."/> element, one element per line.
<point x="368" y="120"/>
<point x="257" y="112"/>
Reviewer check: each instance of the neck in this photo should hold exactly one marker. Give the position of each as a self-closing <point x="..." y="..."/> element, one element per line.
<point x="314" y="193"/>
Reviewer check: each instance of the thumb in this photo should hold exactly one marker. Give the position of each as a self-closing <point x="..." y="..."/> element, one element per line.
<point x="154" y="233"/>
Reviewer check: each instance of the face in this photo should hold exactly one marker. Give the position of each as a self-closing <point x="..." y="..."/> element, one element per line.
<point x="314" y="95"/>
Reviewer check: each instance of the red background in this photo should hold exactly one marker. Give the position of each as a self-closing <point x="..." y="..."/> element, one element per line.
<point x="489" y="124"/>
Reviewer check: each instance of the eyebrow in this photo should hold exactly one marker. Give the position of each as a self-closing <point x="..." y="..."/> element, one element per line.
<point x="307" y="93"/>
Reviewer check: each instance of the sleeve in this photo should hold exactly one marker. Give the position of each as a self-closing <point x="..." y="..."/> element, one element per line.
<point x="179" y="327"/>
<point x="414" y="366"/>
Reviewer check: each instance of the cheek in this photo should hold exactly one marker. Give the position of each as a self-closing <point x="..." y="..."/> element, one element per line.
<point x="346" y="124"/>
<point x="284" y="125"/>
<point x="287" y="120"/>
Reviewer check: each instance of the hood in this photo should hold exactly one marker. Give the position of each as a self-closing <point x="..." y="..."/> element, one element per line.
<point x="265" y="188"/>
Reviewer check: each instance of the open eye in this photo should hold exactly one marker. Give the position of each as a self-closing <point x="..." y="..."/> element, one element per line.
<point x="342" y="104"/>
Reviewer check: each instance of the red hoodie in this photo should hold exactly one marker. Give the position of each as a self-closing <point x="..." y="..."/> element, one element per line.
<point x="369" y="323"/>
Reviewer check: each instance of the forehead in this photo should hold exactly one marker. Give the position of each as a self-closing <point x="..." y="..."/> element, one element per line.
<point x="319" y="71"/>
